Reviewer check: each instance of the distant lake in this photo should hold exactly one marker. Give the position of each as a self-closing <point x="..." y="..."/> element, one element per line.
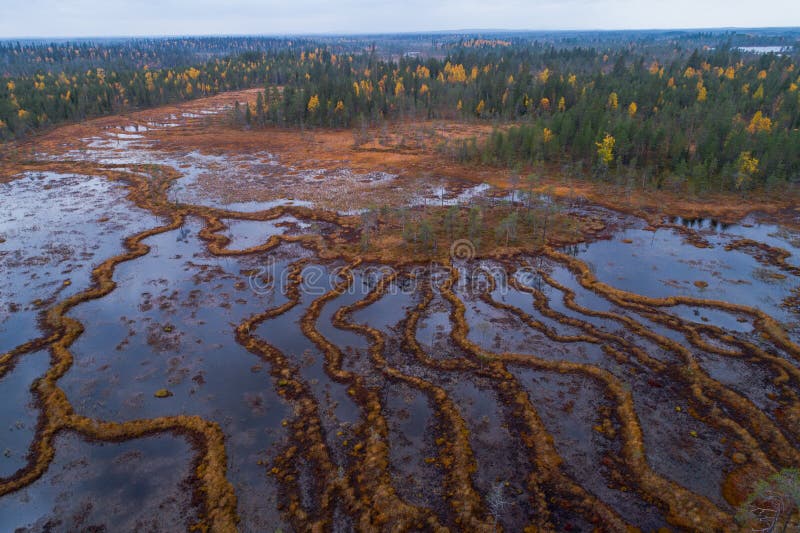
<point x="765" y="49"/>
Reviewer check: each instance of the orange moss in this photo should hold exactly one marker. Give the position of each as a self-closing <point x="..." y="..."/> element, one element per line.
<point x="684" y="508"/>
<point x="455" y="453"/>
<point x="705" y="390"/>
<point x="366" y="492"/>
<point x="216" y="493"/>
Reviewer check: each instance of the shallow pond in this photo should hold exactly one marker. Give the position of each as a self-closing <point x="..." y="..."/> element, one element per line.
<point x="661" y="264"/>
<point x="164" y="343"/>
<point x="140" y="485"/>
<point x="54" y="229"/>
<point x="170" y="326"/>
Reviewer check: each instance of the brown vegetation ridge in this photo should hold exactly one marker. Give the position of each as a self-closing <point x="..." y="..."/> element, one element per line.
<point x="761" y="443"/>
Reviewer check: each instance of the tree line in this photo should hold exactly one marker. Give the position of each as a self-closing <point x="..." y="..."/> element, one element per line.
<point x="659" y="109"/>
<point x="715" y="118"/>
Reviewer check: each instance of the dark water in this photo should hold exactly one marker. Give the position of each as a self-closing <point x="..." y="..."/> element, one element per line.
<point x="140" y="485"/>
<point x="56" y="227"/>
<point x="18" y="414"/>
<point x="661" y="264"/>
<point x="170" y="325"/>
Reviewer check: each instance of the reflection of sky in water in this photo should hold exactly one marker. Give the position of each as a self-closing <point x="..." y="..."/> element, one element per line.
<point x="53" y="231"/>
<point x="660" y="264"/>
<point x="247" y="233"/>
<point x="128" y="486"/>
<point x="125" y="354"/>
<point x="718" y="233"/>
<point x="18" y="417"/>
<point x="56" y="228"/>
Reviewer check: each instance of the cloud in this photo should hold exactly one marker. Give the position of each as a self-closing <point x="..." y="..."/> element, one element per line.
<point x="75" y="18"/>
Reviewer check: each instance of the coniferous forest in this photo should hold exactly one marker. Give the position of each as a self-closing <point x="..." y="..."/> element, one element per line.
<point x="705" y="109"/>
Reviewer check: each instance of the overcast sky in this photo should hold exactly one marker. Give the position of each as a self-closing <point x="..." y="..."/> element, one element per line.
<point x="76" y="18"/>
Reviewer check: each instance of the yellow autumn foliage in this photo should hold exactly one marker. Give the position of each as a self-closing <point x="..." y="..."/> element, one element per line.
<point x="455" y="73"/>
<point x="613" y="101"/>
<point x="605" y="149"/>
<point x="544" y="75"/>
<point x="748" y="167"/>
<point x="759" y="123"/>
<point x="313" y="104"/>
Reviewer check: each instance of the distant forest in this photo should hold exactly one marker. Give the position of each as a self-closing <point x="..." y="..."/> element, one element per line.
<point x="655" y="108"/>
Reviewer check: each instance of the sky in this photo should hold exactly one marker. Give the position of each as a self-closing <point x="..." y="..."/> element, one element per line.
<point x="98" y="18"/>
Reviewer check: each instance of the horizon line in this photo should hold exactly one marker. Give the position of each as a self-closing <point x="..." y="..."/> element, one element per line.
<point x="466" y="31"/>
